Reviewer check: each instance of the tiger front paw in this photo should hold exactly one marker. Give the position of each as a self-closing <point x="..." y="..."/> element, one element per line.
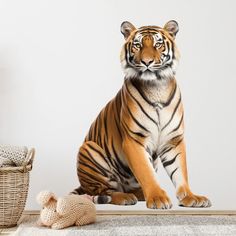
<point x="188" y="199"/>
<point x="158" y="199"/>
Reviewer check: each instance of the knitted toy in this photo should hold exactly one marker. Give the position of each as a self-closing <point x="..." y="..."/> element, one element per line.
<point x="65" y="211"/>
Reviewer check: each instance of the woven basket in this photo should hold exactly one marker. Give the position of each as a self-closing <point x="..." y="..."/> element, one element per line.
<point x="14" y="183"/>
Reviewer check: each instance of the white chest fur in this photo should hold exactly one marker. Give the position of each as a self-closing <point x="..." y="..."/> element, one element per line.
<point x="159" y="110"/>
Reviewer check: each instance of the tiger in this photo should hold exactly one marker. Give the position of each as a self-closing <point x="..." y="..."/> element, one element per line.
<point x="142" y="124"/>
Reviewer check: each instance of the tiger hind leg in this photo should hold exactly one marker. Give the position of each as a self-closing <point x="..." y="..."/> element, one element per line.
<point x="96" y="176"/>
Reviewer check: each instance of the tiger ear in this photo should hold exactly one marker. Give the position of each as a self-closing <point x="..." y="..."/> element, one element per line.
<point x="126" y="29"/>
<point x="172" y="28"/>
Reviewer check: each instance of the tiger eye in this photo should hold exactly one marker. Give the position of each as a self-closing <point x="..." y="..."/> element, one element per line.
<point x="137" y="45"/>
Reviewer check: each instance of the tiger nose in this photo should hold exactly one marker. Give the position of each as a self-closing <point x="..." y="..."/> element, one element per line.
<point x="147" y="62"/>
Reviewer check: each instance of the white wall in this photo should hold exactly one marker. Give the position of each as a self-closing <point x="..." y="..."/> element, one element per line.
<point x="59" y="65"/>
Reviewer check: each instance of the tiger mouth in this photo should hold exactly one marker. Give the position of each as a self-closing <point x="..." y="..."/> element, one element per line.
<point x="147" y="72"/>
<point x="152" y="70"/>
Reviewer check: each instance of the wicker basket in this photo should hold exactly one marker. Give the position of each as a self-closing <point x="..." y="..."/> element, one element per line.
<point x="14" y="183"/>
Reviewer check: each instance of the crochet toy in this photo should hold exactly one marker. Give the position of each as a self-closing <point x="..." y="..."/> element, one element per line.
<point x="65" y="211"/>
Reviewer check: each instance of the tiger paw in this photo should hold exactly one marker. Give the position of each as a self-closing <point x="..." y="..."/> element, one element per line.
<point x="158" y="199"/>
<point x="188" y="199"/>
<point x="119" y="198"/>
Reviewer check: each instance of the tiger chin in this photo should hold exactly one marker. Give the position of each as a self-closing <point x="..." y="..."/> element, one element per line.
<point x="142" y="124"/>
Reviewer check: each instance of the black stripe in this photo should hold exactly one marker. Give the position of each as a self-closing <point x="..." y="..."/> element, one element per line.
<point x="83" y="177"/>
<point x="103" y="128"/>
<point x="118" y="127"/>
<point x="167" y="163"/>
<point x="100" y="153"/>
<point x="177" y="127"/>
<point x="154" y="156"/>
<point x="98" y="141"/>
<point x="138" y="134"/>
<point x="127" y="51"/>
<point x="179" y="142"/>
<point x="171" y="176"/>
<point x="140" y="106"/>
<point x="148" y="30"/>
<point x="164" y="151"/>
<point x="158" y="115"/>
<point x="136" y="121"/>
<point x="95" y="130"/>
<point x="135" y="133"/>
<point x="127" y="132"/>
<point x="169" y="48"/>
<point x="148" y="150"/>
<point x="79" y="190"/>
<point x="142" y="94"/>
<point x="90" y="167"/>
<point x="103" y="170"/>
<point x="105" y="120"/>
<point x="176" y="137"/>
<point x="111" y="159"/>
<point x="115" y="170"/>
<point x="90" y="133"/>
<point x="87" y="174"/>
<point x="164" y="159"/>
<point x="89" y="182"/>
<point x="126" y="58"/>
<point x="107" y="150"/>
<point x="117" y="116"/>
<point x="180" y="137"/>
<point x="176" y="107"/>
<point x="95" y="178"/>
<point x="125" y="168"/>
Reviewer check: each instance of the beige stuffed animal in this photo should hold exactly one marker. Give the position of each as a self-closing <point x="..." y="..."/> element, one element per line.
<point x="66" y="211"/>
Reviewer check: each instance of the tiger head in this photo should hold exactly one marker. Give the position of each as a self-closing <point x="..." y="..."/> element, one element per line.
<point x="150" y="52"/>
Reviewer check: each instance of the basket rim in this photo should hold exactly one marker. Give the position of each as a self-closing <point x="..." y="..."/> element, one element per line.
<point x="16" y="168"/>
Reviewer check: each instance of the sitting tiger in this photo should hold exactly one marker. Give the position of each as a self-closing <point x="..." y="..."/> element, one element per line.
<point x="144" y="122"/>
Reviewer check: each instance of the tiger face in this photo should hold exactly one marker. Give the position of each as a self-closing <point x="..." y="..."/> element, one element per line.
<point x="149" y="52"/>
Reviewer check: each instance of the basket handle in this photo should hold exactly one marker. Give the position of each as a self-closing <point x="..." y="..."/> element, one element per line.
<point x="29" y="158"/>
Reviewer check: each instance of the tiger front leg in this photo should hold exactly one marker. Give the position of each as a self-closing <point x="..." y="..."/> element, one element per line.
<point x="138" y="160"/>
<point x="174" y="162"/>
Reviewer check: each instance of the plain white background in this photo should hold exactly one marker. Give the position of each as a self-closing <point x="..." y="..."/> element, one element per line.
<point x="59" y="65"/>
